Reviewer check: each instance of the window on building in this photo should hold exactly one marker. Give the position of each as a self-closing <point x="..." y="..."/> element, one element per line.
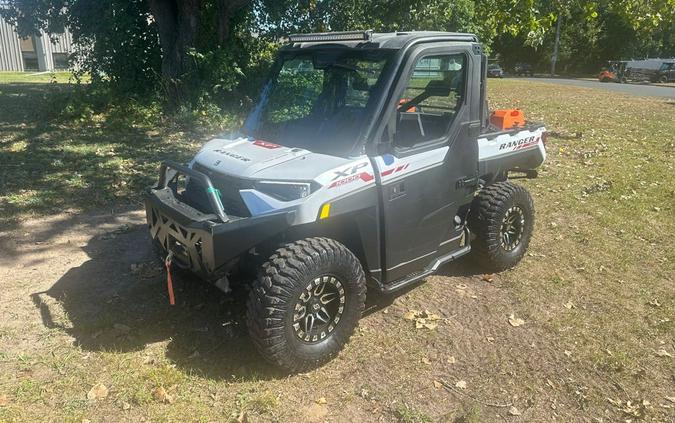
<point x="30" y="62"/>
<point x="60" y="61"/>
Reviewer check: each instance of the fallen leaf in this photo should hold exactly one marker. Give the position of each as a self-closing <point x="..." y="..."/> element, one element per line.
<point x="3" y="400"/>
<point x="437" y="384"/>
<point x="655" y="303"/>
<point x="488" y="277"/>
<point x="451" y="360"/>
<point x="426" y="314"/>
<point x="490" y="338"/>
<point x="515" y="322"/>
<point x="424" y="319"/>
<point x="315" y="413"/>
<point x="161" y="395"/>
<point x="321" y="401"/>
<point x="126" y="406"/>
<point x="430" y="326"/>
<point x="410" y="315"/>
<point x="663" y="353"/>
<point x="426" y="361"/>
<point x="569" y="305"/>
<point x="98" y="391"/>
<point x="460" y="384"/>
<point x="514" y="411"/>
<point x="568" y="353"/>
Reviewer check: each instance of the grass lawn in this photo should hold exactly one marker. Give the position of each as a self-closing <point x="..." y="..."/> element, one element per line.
<point x="36" y="77"/>
<point x="83" y="303"/>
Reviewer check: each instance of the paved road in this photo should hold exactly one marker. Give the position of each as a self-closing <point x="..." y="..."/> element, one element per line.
<point x="633" y="89"/>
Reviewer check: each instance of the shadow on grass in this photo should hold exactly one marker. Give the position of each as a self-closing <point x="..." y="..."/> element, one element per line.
<point x="117" y="302"/>
<point x="60" y="148"/>
<point x="108" y="306"/>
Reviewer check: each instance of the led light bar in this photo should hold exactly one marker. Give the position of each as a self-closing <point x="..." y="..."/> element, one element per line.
<point x="331" y="36"/>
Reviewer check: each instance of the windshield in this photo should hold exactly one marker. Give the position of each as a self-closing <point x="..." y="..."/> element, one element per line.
<point x="319" y="100"/>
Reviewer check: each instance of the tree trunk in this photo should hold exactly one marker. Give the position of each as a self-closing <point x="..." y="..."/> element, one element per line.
<point x="227" y="9"/>
<point x="554" y="58"/>
<point x="177" y="25"/>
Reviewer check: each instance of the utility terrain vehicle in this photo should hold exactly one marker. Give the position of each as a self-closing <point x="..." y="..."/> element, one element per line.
<point x="368" y="159"/>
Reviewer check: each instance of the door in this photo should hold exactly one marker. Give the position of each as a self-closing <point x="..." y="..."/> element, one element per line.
<point x="431" y="172"/>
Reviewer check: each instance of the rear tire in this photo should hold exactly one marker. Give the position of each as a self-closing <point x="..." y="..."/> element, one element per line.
<point x="306" y="303"/>
<point x="502" y="218"/>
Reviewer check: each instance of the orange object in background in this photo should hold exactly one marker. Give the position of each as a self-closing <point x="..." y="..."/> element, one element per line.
<point x="507" y="118"/>
<point x="606" y="76"/>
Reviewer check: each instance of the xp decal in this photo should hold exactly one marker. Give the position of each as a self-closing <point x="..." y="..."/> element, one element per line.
<point x="350" y="170"/>
<point x="395" y="169"/>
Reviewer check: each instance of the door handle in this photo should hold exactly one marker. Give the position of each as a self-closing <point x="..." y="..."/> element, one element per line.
<point x="468" y="182"/>
<point x="474" y="128"/>
<point x="396" y="190"/>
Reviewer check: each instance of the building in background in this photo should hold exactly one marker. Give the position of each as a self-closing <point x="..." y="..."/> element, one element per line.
<point x="38" y="53"/>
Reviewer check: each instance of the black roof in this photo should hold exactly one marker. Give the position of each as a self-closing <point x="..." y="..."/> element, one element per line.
<point x="369" y="39"/>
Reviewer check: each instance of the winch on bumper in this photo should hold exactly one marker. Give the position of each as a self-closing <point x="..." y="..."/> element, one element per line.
<point x="204" y="243"/>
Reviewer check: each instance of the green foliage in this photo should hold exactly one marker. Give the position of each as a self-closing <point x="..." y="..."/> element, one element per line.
<point x="593" y="32"/>
<point x="285" y="103"/>
<point x="119" y="48"/>
<point x="116" y="41"/>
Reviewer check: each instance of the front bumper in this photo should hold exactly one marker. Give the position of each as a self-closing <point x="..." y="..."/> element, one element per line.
<point x="204" y="243"/>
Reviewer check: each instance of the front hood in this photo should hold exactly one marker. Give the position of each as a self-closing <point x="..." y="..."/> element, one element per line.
<point x="256" y="159"/>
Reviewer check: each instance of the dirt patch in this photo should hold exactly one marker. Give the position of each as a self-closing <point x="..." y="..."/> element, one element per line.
<point x="84" y="303"/>
<point x="583" y="329"/>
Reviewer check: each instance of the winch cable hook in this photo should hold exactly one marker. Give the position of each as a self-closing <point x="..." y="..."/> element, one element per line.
<point x="169" y="281"/>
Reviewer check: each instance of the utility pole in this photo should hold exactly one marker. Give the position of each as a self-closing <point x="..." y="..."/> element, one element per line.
<point x="554" y="58"/>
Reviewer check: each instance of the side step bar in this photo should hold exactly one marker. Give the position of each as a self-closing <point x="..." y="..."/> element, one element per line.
<point x="427" y="271"/>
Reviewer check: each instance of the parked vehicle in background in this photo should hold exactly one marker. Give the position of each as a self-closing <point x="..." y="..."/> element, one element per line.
<point x="607" y="76"/>
<point x="615" y="72"/>
<point x="523" y="69"/>
<point x="666" y="73"/>
<point x="495" y="71"/>
<point x="643" y="70"/>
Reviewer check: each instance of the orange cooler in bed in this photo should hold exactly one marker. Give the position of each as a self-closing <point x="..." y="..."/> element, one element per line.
<point x="507" y="118"/>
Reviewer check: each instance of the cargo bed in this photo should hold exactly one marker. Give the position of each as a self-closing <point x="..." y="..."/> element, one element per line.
<point x="519" y="149"/>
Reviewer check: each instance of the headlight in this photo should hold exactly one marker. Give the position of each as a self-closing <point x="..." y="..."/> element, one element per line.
<point x="284" y="191"/>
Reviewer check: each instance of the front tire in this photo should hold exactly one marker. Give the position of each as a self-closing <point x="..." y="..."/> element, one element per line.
<point x="306" y="303"/>
<point x="502" y="217"/>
